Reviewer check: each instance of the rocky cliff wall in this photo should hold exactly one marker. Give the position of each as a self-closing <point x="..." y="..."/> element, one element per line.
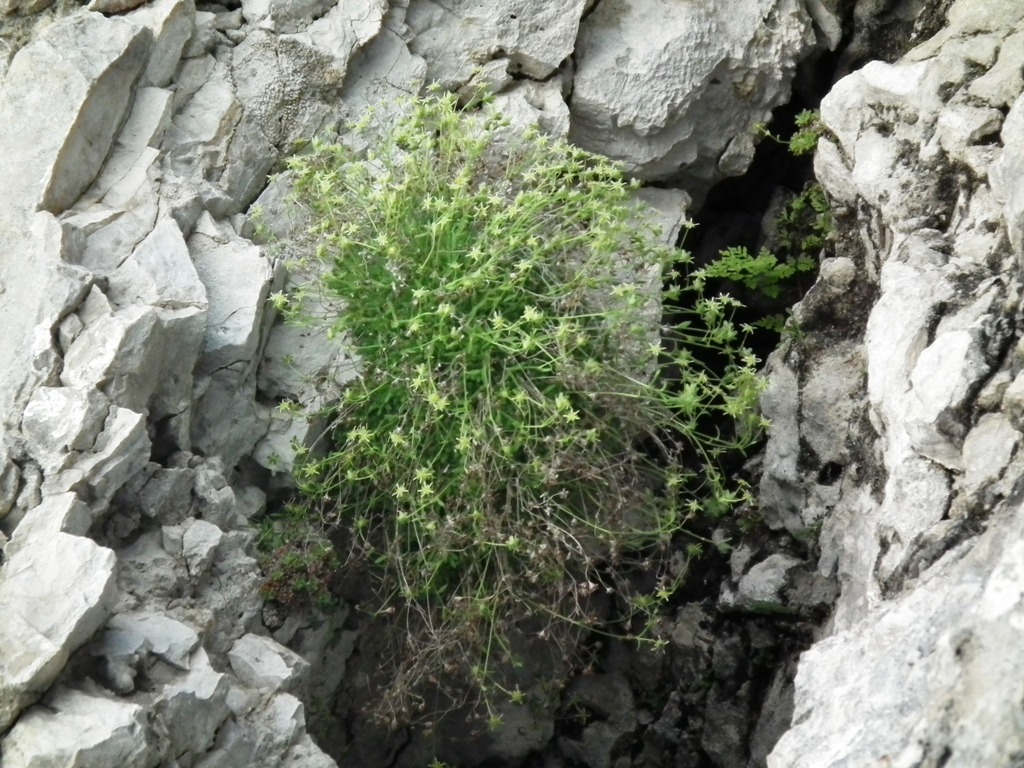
<point x="142" y="365"/>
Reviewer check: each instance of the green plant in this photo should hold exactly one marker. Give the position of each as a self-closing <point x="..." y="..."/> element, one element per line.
<point x="763" y="273"/>
<point x="298" y="561"/>
<point x="809" y="128"/>
<point x="515" y="456"/>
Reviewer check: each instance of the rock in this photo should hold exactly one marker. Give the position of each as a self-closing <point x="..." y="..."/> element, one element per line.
<point x="39" y="290"/>
<point x="672" y="90"/>
<point x="198" y="545"/>
<point x="609" y="701"/>
<point x="62" y="101"/>
<point x="146" y="571"/>
<point x="192" y="707"/>
<point x="78" y="730"/>
<point x="197" y="139"/>
<point x="63" y="513"/>
<point x="344" y="29"/>
<point x="535" y="36"/>
<point x="171" y="22"/>
<point x="160" y="635"/>
<point x="227" y="420"/>
<point x="60" y="423"/>
<point x="761" y="589"/>
<point x="383" y="71"/>
<point x="282" y="15"/>
<point x="120" y="450"/>
<point x="159" y="273"/>
<point x="238" y="279"/>
<point x="55" y="592"/>
<point x="929" y="666"/>
<point x="261" y="663"/>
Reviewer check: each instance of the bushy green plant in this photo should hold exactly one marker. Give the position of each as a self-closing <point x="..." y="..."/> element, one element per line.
<point x="298" y="561"/>
<point x="514" y="458"/>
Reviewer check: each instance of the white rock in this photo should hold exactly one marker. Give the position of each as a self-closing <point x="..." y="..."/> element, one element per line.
<point x="162" y="636"/>
<point x="159" y="272"/>
<point x="171" y="22"/>
<point x="198" y="546"/>
<point x="528" y="104"/>
<point x="61" y="103"/>
<point x="266" y="665"/>
<point x="197" y="139"/>
<point x="673" y="89"/>
<point x="37" y="290"/>
<point x="238" y="280"/>
<point x="148" y="572"/>
<point x="121" y="450"/>
<point x="63" y="513"/>
<point x="227" y="421"/>
<point x="926" y="675"/>
<point x="988" y="449"/>
<point x="536" y="36"/>
<point x="193" y="707"/>
<point x="946" y="374"/>
<point x="386" y="72"/>
<point x="55" y="592"/>
<point x="760" y="589"/>
<point x="61" y="422"/>
<point x="79" y="730"/>
<point x="346" y="28"/>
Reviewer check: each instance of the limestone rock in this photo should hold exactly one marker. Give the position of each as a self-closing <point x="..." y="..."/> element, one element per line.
<point x="61" y="422"/>
<point x="535" y="36"/>
<point x="159" y="272"/>
<point x="198" y="545"/>
<point x="61" y="104"/>
<point x="673" y="90"/>
<point x="931" y="674"/>
<point x="55" y="592"/>
<point x="261" y="663"/>
<point x="160" y="635"/>
<point x="171" y="23"/>
<point x="79" y="730"/>
<point x="238" y="279"/>
<point x="63" y="513"/>
<point x="192" y="706"/>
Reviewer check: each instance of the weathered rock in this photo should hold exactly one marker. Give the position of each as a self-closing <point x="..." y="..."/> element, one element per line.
<point x="61" y="422"/>
<point x="265" y="665"/>
<point x="238" y="279"/>
<point x="61" y="104"/>
<point x="79" y="730"/>
<point x="198" y="544"/>
<point x="924" y="529"/>
<point x="63" y="513"/>
<point x="55" y="592"/>
<point x="534" y="36"/>
<point x="161" y="635"/>
<point x="672" y="90"/>
<point x="171" y="23"/>
<point x="192" y="706"/>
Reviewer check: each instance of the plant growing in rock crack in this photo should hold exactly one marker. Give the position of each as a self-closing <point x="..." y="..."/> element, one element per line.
<point x="802" y="230"/>
<point x="515" y="460"/>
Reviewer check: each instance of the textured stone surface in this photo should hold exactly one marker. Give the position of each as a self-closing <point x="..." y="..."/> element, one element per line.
<point x="673" y="89"/>
<point x="55" y="591"/>
<point x="79" y="730"/>
<point x="920" y="520"/>
<point x="534" y="37"/>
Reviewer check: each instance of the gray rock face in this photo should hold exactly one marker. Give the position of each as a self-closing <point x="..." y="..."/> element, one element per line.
<point x="533" y="37"/>
<point x="673" y="89"/>
<point x="915" y="477"/>
<point x="55" y="592"/>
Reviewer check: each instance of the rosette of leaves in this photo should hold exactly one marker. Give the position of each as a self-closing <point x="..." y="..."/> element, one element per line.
<point x="524" y="446"/>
